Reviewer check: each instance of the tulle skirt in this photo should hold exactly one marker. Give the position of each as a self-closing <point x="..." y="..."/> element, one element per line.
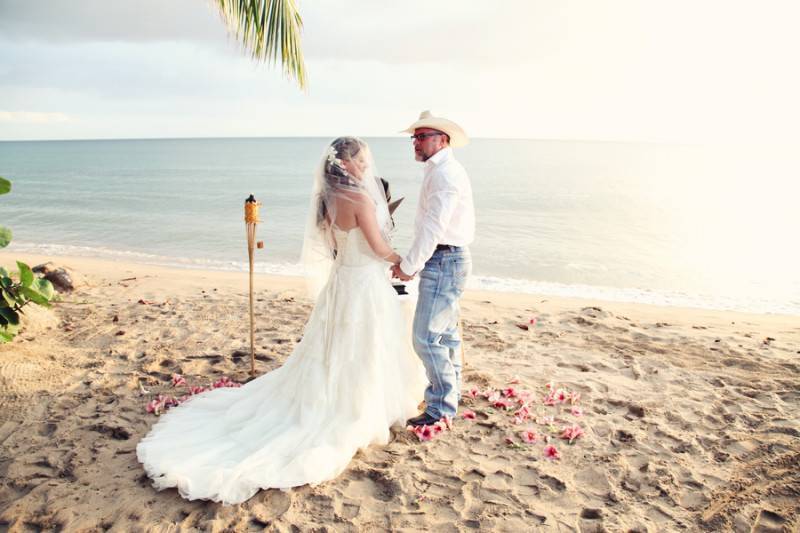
<point x="351" y="377"/>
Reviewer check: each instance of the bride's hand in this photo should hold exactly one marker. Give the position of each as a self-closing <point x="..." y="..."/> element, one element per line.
<point x="393" y="258"/>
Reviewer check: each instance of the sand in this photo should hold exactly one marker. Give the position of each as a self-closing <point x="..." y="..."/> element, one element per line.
<point x="690" y="416"/>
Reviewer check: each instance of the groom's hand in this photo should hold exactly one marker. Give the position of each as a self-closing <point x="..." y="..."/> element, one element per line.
<point x="398" y="273"/>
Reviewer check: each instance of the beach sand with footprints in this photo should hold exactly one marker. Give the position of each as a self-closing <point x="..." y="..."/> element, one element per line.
<point x="690" y="417"/>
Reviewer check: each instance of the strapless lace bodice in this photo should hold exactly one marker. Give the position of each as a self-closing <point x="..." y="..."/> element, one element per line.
<point x="352" y="249"/>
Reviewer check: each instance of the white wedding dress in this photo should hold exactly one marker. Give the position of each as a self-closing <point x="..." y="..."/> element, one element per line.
<point x="352" y="376"/>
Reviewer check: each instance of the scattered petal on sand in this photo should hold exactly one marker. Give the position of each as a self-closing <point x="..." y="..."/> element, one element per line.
<point x="571" y="433"/>
<point x="425" y="433"/>
<point x="447" y="421"/>
<point x="529" y="436"/>
<point x="225" y="382"/>
<point x="178" y="380"/>
<point x="468" y="415"/>
<point x="154" y="406"/>
<point x="502" y="404"/>
<point x="550" y="399"/>
<point x="550" y="452"/>
<point x="522" y="413"/>
<point x="576" y="411"/>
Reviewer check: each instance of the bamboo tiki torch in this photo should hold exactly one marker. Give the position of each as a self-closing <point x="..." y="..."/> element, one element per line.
<point x="251" y="220"/>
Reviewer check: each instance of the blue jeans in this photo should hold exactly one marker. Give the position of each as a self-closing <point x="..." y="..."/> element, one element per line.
<point x="437" y="338"/>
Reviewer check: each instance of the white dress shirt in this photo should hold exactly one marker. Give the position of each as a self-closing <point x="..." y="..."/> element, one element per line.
<point x="445" y="213"/>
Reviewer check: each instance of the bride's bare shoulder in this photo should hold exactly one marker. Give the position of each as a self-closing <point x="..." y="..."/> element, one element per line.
<point x="353" y="200"/>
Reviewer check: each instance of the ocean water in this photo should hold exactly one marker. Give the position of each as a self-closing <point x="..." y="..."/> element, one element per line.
<point x="664" y="224"/>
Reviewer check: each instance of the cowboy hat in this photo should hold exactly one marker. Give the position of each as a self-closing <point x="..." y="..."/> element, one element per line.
<point x="427" y="120"/>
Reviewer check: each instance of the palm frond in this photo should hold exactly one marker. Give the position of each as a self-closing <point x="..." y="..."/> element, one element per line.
<point x="270" y="30"/>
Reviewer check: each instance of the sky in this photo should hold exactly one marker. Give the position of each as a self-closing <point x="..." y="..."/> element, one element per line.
<point x="629" y="70"/>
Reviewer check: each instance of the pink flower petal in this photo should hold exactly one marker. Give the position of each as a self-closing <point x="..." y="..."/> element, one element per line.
<point x="513" y="381"/>
<point x="529" y="436"/>
<point x="502" y="404"/>
<point x="468" y="415"/>
<point x="524" y="395"/>
<point x="551" y="452"/>
<point x="447" y="421"/>
<point x="576" y="411"/>
<point x="571" y="433"/>
<point x="510" y="392"/>
<point x="426" y="433"/>
<point x="178" y="380"/>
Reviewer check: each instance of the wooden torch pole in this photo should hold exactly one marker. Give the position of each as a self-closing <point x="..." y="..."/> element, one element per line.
<point x="251" y="220"/>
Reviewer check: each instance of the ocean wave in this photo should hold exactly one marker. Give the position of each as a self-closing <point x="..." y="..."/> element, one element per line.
<point x="476" y="282"/>
<point x="633" y="295"/>
<point x="280" y="269"/>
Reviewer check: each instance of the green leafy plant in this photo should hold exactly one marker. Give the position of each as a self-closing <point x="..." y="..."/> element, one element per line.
<point x="271" y="30"/>
<point x="14" y="295"/>
<point x="17" y="294"/>
<point x="5" y="233"/>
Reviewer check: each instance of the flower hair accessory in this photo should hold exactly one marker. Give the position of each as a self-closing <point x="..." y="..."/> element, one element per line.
<point x="332" y="159"/>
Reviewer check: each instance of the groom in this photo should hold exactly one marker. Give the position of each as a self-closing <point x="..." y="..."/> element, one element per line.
<point x="444" y="227"/>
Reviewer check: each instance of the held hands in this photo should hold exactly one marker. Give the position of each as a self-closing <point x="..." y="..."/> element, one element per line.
<point x="398" y="273"/>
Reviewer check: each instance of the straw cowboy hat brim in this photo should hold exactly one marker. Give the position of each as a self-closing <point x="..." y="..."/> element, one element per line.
<point x="427" y="120"/>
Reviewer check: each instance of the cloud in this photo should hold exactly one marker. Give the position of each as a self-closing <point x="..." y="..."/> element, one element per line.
<point x="411" y="31"/>
<point x="622" y="69"/>
<point x="32" y="117"/>
<point x="77" y="21"/>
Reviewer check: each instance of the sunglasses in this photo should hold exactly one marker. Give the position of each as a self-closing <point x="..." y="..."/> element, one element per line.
<point x="423" y="136"/>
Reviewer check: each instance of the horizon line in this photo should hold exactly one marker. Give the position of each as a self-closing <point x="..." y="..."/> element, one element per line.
<point x="239" y="137"/>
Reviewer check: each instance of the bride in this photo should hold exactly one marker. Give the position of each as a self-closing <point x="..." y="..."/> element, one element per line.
<point x="352" y="376"/>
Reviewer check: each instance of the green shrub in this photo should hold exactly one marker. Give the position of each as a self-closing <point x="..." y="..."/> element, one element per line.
<point x="14" y="295"/>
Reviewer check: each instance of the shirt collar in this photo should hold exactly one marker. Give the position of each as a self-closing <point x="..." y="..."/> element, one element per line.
<point x="440" y="156"/>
